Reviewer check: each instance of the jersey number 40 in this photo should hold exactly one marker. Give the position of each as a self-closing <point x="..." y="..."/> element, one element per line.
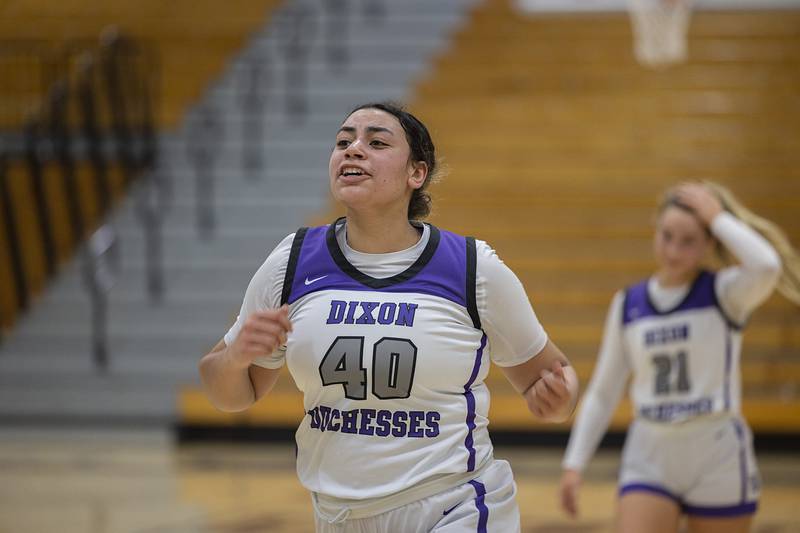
<point x="393" y="364"/>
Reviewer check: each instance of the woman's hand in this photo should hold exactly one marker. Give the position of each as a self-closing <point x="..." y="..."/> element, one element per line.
<point x="570" y="484"/>
<point x="550" y="398"/>
<point x="700" y="199"/>
<point x="261" y="334"/>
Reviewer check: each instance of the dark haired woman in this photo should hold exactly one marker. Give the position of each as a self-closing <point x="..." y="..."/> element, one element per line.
<point x="388" y="325"/>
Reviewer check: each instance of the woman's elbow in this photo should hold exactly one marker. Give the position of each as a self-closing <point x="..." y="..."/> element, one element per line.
<point x="228" y="404"/>
<point x="232" y="407"/>
<point x="774" y="268"/>
<point x="770" y="264"/>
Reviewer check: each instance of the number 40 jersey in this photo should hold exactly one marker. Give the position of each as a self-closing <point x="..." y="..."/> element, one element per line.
<point x="391" y="369"/>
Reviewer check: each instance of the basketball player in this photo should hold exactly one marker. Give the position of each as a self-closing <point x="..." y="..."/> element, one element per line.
<point x="678" y="335"/>
<point x="388" y="326"/>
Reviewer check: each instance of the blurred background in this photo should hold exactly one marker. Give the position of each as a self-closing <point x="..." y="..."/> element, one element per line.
<point x="152" y="154"/>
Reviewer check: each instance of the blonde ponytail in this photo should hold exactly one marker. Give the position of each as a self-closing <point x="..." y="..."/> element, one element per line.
<point x="789" y="282"/>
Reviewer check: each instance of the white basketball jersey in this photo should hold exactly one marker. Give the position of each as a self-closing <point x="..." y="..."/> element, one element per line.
<point x="391" y="369"/>
<point x="685" y="361"/>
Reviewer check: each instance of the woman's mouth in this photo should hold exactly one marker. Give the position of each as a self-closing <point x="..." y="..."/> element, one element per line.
<point x="352" y="174"/>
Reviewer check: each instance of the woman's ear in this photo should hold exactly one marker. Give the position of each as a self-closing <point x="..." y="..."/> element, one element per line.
<point x="419" y="172"/>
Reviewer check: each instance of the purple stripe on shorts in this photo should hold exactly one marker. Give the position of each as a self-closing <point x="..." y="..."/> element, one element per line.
<point x="726" y="384"/>
<point x="469" y="441"/>
<point x="645" y="487"/>
<point x="732" y="510"/>
<point x="742" y="460"/>
<point x="483" y="511"/>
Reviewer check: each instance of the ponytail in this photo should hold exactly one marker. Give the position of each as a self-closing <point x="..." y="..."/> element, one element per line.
<point x="789" y="282"/>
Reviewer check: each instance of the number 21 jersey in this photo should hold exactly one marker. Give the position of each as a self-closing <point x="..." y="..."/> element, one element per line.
<point x="685" y="360"/>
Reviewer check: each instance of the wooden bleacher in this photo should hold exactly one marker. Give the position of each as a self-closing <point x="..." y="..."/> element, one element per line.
<point x="194" y="39"/>
<point x="569" y="143"/>
<point x="559" y="145"/>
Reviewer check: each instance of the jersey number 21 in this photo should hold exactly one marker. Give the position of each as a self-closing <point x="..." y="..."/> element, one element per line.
<point x="666" y="367"/>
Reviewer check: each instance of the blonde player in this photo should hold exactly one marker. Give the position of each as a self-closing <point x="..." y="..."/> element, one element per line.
<point x="678" y="336"/>
<point x="388" y="326"/>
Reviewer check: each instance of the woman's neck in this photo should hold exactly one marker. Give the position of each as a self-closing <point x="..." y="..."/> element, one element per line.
<point x="380" y="234"/>
<point x="668" y="280"/>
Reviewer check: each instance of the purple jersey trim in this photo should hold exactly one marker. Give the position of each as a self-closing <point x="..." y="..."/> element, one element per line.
<point x="737" y="426"/>
<point x="726" y="383"/>
<point x="441" y="271"/>
<point x="469" y="442"/>
<point x="480" y="504"/>
<point x="638" y="304"/>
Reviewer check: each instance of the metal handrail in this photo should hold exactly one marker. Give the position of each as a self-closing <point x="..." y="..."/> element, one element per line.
<point x="252" y="91"/>
<point x="116" y="74"/>
<point x="293" y="39"/>
<point x="203" y="140"/>
<point x="100" y="268"/>
<point x="12" y="237"/>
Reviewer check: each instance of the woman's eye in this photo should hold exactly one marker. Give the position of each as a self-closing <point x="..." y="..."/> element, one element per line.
<point x="376" y="142"/>
<point x="342" y="143"/>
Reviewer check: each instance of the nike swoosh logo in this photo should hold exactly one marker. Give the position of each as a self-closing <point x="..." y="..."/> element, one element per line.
<point x="447" y="512"/>
<point x="310" y="281"/>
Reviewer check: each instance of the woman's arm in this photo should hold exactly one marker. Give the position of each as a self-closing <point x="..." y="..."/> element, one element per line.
<point x="245" y="364"/>
<point x="603" y="393"/>
<point x="743" y="287"/>
<point x="231" y="381"/>
<point x="601" y="398"/>
<point x="547" y="382"/>
<point x="518" y="344"/>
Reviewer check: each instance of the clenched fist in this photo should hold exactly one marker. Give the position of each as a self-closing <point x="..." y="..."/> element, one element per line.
<point x="262" y="333"/>
<point x="549" y="398"/>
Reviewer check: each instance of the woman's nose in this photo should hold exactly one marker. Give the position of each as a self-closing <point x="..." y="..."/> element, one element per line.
<point x="354" y="149"/>
<point x="674" y="251"/>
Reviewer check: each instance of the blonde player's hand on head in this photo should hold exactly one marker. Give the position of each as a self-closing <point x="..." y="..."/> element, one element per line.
<point x="549" y="398"/>
<point x="699" y="199"/>
<point x="262" y="333"/>
<point x="570" y="485"/>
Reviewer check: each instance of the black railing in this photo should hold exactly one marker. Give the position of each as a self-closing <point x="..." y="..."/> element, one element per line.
<point x="336" y="32"/>
<point x="205" y="135"/>
<point x="295" y="42"/>
<point x="80" y="109"/>
<point x="17" y="268"/>
<point x="252" y="92"/>
<point x="33" y="160"/>
<point x="61" y="141"/>
<point x="87" y="94"/>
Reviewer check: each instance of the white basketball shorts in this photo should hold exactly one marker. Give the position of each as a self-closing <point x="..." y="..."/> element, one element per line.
<point x="486" y="504"/>
<point x="706" y="465"/>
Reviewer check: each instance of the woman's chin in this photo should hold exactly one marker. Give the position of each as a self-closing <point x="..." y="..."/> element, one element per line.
<point x="677" y="276"/>
<point x="352" y="196"/>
